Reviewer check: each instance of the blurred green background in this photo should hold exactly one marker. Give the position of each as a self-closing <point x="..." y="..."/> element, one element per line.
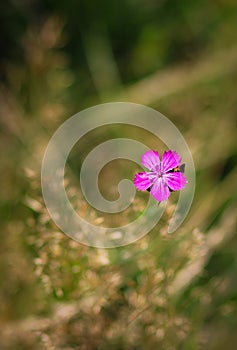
<point x="165" y="291"/>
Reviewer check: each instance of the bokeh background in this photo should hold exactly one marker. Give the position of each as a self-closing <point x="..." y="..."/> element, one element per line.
<point x="165" y="291"/>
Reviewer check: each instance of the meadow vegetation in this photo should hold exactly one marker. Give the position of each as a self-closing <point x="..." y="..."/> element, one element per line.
<point x="165" y="291"/>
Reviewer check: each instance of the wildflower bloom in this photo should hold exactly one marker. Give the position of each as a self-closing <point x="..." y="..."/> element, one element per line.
<point x="163" y="177"/>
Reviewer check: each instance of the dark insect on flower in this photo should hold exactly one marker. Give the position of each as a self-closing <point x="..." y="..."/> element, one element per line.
<point x="163" y="177"/>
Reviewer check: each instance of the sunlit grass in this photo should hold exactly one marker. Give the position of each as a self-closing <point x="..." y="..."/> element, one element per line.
<point x="165" y="291"/>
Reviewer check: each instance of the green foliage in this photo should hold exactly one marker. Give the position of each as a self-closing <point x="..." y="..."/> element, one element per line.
<point x="165" y="291"/>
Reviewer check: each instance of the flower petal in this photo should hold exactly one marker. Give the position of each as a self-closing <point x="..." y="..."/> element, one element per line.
<point x="170" y="160"/>
<point x="151" y="160"/>
<point x="176" y="181"/>
<point x="160" y="190"/>
<point x="142" y="181"/>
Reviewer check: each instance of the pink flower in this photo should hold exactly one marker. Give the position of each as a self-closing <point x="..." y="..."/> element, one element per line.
<point x="163" y="176"/>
